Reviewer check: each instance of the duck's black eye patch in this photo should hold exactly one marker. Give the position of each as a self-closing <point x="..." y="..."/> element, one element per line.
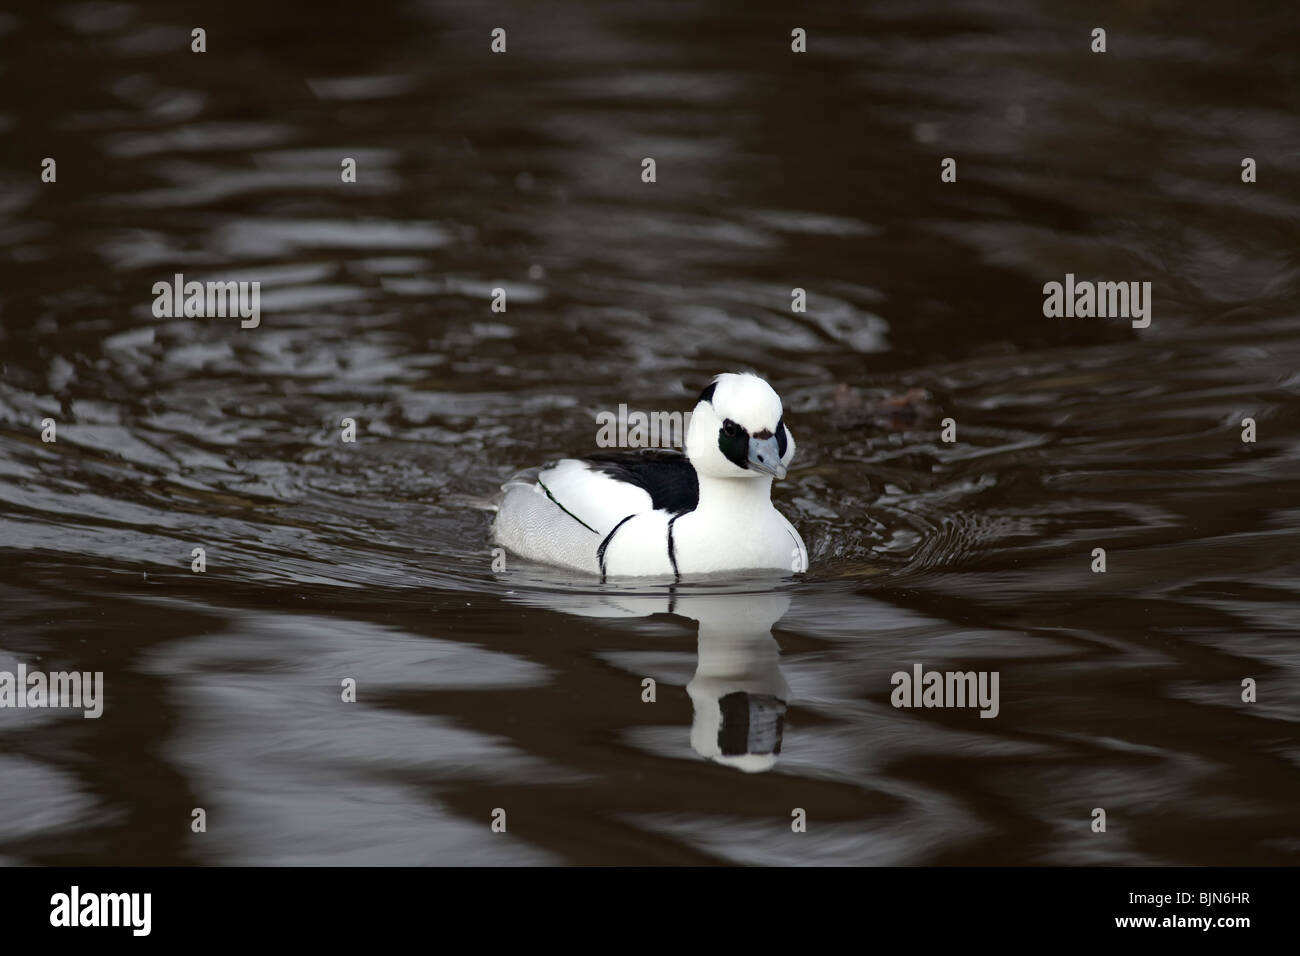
<point x="780" y="435"/>
<point x="707" y="394"/>
<point x="733" y="442"/>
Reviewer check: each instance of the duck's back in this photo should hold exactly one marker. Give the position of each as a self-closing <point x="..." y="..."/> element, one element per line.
<point x="569" y="514"/>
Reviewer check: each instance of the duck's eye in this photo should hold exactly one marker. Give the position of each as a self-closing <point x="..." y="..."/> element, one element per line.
<point x="730" y="427"/>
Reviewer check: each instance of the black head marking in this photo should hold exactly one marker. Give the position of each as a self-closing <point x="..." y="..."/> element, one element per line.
<point x="707" y="394"/>
<point x="733" y="442"/>
<point x="780" y="436"/>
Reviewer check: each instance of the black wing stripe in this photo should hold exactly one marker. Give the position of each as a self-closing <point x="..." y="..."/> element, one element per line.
<point x="567" y="511"/>
<point x="672" y="546"/>
<point x="600" y="552"/>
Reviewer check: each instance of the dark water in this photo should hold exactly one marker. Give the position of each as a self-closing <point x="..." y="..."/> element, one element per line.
<point x="522" y="690"/>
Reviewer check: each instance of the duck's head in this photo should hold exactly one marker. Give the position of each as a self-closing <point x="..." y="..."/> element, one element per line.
<point x="737" y="430"/>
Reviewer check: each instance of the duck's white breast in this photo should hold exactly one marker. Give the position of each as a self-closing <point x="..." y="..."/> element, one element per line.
<point x="709" y="542"/>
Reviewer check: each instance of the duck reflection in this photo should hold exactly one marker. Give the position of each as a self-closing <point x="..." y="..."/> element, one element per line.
<point x="738" y="692"/>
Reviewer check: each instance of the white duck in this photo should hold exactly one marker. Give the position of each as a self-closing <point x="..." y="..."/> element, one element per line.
<point x="659" y="512"/>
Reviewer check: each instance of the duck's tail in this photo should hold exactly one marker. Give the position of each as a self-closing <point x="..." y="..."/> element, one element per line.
<point x="473" y="501"/>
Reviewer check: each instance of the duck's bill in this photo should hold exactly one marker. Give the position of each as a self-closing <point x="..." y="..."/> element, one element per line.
<point x="765" y="457"/>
